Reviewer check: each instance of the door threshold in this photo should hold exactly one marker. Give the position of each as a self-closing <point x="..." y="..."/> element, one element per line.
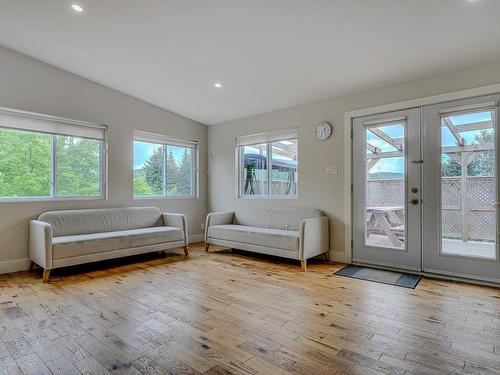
<point x="432" y="275"/>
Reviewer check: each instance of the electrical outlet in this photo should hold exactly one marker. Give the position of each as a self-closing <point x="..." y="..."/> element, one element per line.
<point x="202" y="226"/>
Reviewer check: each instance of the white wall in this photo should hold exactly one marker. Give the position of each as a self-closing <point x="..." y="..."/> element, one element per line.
<point x="316" y="189"/>
<point x="31" y="85"/>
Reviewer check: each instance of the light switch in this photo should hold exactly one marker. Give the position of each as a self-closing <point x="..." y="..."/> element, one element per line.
<point x="331" y="170"/>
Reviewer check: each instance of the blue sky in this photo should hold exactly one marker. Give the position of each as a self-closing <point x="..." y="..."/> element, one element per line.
<point x="396" y="165"/>
<point x="144" y="150"/>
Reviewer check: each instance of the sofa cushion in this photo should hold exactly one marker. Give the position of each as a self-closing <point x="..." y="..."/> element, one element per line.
<point x="277" y="238"/>
<point x="275" y="218"/>
<point x="134" y="217"/>
<point x="74" y="222"/>
<point x="84" y="244"/>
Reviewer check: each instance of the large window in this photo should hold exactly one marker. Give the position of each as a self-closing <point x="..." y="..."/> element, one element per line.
<point x="268" y="164"/>
<point x="43" y="157"/>
<point x="164" y="167"/>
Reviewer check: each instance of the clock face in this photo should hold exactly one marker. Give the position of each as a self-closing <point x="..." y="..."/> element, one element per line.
<point x="323" y="131"/>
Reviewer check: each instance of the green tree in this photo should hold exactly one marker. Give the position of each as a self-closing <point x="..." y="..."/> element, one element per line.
<point x="141" y="186"/>
<point x="25" y="164"/>
<point x="484" y="165"/>
<point x="184" y="185"/>
<point x="172" y="172"/>
<point x="77" y="167"/>
<point x="449" y="167"/>
<point x="153" y="171"/>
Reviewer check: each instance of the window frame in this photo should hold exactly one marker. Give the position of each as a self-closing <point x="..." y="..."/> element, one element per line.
<point x="61" y="121"/>
<point x="164" y="141"/>
<point x="240" y="179"/>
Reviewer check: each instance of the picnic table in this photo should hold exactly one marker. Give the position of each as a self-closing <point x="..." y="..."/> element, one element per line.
<point x="379" y="221"/>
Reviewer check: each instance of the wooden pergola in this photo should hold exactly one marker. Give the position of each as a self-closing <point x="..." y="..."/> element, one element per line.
<point x="462" y="153"/>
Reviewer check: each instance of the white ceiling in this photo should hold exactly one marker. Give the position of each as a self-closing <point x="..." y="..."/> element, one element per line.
<point x="269" y="54"/>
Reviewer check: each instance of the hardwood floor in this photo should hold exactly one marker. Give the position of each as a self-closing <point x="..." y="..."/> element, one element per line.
<point x="222" y="313"/>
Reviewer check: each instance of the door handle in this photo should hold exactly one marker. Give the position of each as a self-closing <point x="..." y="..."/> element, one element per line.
<point x="413" y="201"/>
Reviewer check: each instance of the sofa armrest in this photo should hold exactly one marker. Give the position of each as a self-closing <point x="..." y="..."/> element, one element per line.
<point x="40" y="243"/>
<point x="218" y="218"/>
<point x="177" y="221"/>
<point x="314" y="237"/>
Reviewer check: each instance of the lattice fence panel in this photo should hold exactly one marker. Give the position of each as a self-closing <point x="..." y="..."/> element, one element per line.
<point x="481" y="200"/>
<point x="451" y="190"/>
<point x="481" y="192"/>
<point x="482" y="225"/>
<point x="385" y="192"/>
<point x="451" y="223"/>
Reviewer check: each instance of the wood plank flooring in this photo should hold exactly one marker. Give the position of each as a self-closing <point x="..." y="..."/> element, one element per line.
<point x="222" y="313"/>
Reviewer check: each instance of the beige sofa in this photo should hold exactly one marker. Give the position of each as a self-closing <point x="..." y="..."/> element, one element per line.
<point x="66" y="238"/>
<point x="296" y="233"/>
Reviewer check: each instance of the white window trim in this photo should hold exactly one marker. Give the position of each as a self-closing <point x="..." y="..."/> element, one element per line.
<point x="54" y="126"/>
<point x="268" y="139"/>
<point x="141" y="136"/>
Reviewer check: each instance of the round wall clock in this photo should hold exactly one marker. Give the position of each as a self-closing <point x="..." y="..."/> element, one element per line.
<point x="323" y="130"/>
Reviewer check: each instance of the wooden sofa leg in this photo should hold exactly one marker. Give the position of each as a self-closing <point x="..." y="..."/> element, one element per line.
<point x="186" y="251"/>
<point x="46" y="275"/>
<point x="303" y="264"/>
<point x="327" y="256"/>
<point x="32" y="266"/>
<point x="206" y="247"/>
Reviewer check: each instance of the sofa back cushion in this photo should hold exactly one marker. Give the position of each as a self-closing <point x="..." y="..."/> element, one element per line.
<point x="74" y="222"/>
<point x="275" y="218"/>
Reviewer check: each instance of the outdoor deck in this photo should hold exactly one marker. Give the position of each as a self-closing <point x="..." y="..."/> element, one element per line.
<point x="479" y="249"/>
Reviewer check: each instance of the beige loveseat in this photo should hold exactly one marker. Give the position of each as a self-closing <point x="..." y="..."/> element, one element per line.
<point x="296" y="233"/>
<point x="66" y="238"/>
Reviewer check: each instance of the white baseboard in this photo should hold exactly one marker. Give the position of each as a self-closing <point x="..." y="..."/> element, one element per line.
<point x="199" y="237"/>
<point x="15" y="265"/>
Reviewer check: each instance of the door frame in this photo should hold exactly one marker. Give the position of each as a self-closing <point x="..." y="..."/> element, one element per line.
<point x="346" y="255"/>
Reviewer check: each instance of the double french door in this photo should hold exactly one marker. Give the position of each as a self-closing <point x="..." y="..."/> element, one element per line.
<point x="425" y="189"/>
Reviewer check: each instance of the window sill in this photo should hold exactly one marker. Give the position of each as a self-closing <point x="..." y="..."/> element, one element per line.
<point x="252" y="197"/>
<point x="161" y="197"/>
<point x="48" y="199"/>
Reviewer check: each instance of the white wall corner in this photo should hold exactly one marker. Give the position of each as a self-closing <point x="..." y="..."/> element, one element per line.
<point x="198" y="237"/>
<point x="15" y="265"/>
<point x="339" y="256"/>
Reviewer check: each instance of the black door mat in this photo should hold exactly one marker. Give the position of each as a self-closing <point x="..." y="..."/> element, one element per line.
<point x="404" y="280"/>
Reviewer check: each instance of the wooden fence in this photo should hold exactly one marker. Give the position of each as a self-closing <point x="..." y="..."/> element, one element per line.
<point x="468" y="212"/>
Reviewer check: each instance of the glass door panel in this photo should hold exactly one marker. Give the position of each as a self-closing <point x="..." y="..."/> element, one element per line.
<point x="386" y="190"/>
<point x="460" y="221"/>
<point x="385" y="185"/>
<point x="468" y="213"/>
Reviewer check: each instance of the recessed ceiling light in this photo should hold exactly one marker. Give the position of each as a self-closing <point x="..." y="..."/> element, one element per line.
<point x="218" y="85"/>
<point x="77" y="8"/>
